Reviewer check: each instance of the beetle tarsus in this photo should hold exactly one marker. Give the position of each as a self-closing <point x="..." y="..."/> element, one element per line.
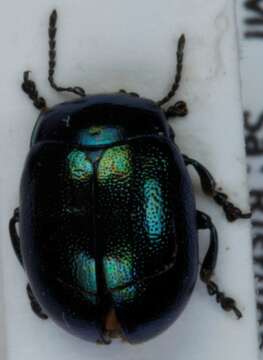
<point x="227" y="303"/>
<point x="35" y="305"/>
<point x="231" y="211"/>
<point x="209" y="264"/>
<point x="208" y="185"/>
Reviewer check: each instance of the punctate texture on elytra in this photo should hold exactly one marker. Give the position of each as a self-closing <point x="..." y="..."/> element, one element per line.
<point x="108" y="218"/>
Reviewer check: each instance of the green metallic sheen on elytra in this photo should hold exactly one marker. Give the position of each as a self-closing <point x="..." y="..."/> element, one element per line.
<point x="85" y="273"/>
<point x="126" y="294"/>
<point x="154" y="214"/>
<point x="134" y="185"/>
<point x="118" y="271"/>
<point x="115" y="164"/>
<point x="131" y="185"/>
<point x="80" y="167"/>
<point x="115" y="172"/>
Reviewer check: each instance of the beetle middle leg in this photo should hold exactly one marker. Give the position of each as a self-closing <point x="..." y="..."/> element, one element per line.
<point x="208" y="184"/>
<point x="16" y="245"/>
<point x="208" y="266"/>
<point x="14" y="235"/>
<point x="34" y="304"/>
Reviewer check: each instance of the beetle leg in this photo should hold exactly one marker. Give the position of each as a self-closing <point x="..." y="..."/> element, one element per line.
<point x="52" y="58"/>
<point x="29" y="87"/>
<point x="16" y="245"/>
<point x="179" y="109"/>
<point x="35" y="305"/>
<point x="14" y="235"/>
<point x="208" y="184"/>
<point x="122" y="91"/>
<point x="209" y="264"/>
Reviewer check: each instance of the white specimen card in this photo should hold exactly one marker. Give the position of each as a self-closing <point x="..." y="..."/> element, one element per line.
<point x="105" y="46"/>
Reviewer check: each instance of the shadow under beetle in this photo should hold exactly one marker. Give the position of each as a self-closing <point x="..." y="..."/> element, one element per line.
<point x="107" y="217"/>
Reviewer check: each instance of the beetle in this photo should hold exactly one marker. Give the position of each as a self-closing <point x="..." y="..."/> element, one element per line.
<point x="107" y="216"/>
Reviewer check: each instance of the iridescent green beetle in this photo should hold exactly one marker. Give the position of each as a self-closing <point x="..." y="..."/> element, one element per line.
<point x="107" y="217"/>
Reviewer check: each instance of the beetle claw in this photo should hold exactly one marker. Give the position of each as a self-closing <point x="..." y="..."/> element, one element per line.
<point x="231" y="211"/>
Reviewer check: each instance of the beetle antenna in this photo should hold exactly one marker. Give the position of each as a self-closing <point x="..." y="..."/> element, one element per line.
<point x="179" y="69"/>
<point x="52" y="58"/>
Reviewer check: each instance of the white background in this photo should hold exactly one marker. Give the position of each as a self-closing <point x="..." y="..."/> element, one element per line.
<point x="104" y="46"/>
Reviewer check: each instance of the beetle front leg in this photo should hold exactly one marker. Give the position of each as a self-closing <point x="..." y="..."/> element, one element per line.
<point x="208" y="266"/>
<point x="208" y="184"/>
<point x="122" y="91"/>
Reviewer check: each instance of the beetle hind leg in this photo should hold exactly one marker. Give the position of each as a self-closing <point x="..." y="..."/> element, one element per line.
<point x="208" y="184"/>
<point x="35" y="305"/>
<point x="228" y="304"/>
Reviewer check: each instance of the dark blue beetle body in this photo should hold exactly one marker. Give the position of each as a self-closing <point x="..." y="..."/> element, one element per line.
<point x="107" y="218"/>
